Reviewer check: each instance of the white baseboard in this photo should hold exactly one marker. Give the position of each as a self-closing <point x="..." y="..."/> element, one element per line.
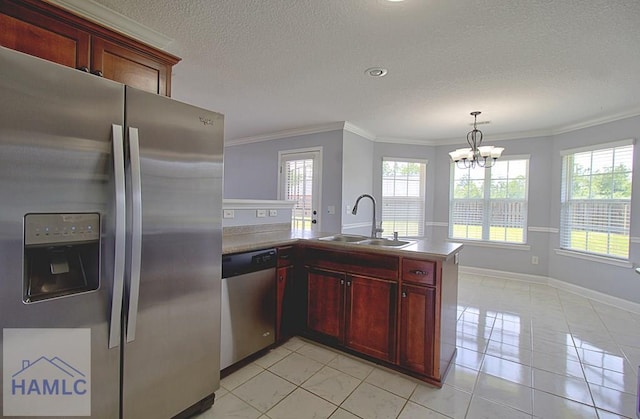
<point x="556" y="283"/>
<point x="537" y="279"/>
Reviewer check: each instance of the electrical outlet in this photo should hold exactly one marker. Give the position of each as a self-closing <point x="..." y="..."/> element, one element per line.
<point x="261" y="213"/>
<point x="228" y="213"/>
<point x="534" y="260"/>
<point x="273" y="213"/>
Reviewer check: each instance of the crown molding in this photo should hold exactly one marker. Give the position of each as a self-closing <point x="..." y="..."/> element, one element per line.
<point x="334" y="126"/>
<point x="106" y="17"/>
<point x="348" y="126"/>
<point x="354" y="129"/>
<point x="395" y="140"/>
<point x="598" y="121"/>
<point x="497" y="137"/>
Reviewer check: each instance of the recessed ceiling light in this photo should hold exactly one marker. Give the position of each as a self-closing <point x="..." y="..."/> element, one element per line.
<point x="376" y="71"/>
<point x="394" y="1"/>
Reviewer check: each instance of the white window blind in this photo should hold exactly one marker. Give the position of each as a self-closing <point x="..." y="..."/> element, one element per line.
<point x="596" y="200"/>
<point x="299" y="188"/>
<point x="403" y="196"/>
<point x="490" y="203"/>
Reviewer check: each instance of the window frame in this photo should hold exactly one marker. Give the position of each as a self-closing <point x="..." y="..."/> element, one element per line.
<point x="422" y="198"/>
<point x="487" y="202"/>
<point x="566" y="202"/>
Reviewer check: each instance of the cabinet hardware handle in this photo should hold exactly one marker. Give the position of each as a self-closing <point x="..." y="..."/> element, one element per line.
<point x="84" y="68"/>
<point x="281" y="279"/>
<point x="97" y="73"/>
<point x="419" y="272"/>
<point x="342" y="282"/>
<point x="284" y="256"/>
<point x="348" y="283"/>
<point x="404" y="294"/>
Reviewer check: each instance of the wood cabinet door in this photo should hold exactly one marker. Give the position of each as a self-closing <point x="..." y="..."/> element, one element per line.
<point x="33" y="33"/>
<point x="283" y="283"/>
<point x="125" y="65"/>
<point x="417" y="329"/>
<point x="325" y="303"/>
<point x="371" y="316"/>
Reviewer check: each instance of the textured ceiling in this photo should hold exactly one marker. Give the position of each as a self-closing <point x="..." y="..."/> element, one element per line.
<point x="532" y="67"/>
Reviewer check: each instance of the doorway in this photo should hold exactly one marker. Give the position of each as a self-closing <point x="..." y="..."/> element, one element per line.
<point x="299" y="180"/>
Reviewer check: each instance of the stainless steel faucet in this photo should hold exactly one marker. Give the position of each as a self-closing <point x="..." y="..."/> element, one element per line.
<point x="374" y="228"/>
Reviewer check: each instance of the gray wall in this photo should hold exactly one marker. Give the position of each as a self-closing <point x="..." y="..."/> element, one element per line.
<point x="251" y="170"/>
<point x="617" y="281"/>
<point x="515" y="258"/>
<point x="352" y="165"/>
<point x="544" y="214"/>
<point x="357" y="179"/>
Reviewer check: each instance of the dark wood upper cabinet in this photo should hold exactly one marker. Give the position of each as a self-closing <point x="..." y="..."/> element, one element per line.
<point x="48" y="32"/>
<point x="121" y="64"/>
<point x="33" y="33"/>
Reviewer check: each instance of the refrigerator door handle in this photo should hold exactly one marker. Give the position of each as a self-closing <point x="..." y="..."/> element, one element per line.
<point x="120" y="236"/>
<point x="136" y="232"/>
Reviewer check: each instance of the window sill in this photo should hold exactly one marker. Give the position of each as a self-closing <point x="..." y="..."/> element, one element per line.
<point x="594" y="258"/>
<point x="496" y="245"/>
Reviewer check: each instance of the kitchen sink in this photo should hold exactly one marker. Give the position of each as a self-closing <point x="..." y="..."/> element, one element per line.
<point x="366" y="241"/>
<point x="385" y="242"/>
<point x="346" y="238"/>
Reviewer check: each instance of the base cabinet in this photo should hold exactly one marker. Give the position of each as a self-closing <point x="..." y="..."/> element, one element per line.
<point x="284" y="278"/>
<point x="371" y="316"/>
<point x="354" y="311"/>
<point x="417" y="323"/>
<point x="398" y="310"/>
<point x="285" y="294"/>
<point x="325" y="303"/>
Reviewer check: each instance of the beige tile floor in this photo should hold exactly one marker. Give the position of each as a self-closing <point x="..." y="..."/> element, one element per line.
<point x="524" y="351"/>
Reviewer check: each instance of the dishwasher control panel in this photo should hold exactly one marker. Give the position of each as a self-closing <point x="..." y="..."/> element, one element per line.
<point x="242" y="263"/>
<point x="264" y="259"/>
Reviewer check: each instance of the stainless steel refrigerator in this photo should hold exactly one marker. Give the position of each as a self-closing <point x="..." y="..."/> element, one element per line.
<point x="110" y="222"/>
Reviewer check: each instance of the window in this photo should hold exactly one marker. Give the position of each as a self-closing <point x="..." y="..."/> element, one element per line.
<point x="596" y="200"/>
<point x="403" y="190"/>
<point x="490" y="203"/>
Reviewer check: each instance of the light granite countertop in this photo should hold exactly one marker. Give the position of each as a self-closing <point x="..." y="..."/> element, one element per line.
<point x="254" y="240"/>
<point x="235" y="243"/>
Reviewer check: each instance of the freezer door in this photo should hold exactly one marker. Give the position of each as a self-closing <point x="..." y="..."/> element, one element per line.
<point x="171" y="358"/>
<point x="56" y="132"/>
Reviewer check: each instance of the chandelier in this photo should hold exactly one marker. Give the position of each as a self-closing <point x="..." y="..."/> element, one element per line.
<point x="477" y="155"/>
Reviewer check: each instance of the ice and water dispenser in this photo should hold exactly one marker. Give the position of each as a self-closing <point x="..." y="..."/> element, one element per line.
<point x="61" y="255"/>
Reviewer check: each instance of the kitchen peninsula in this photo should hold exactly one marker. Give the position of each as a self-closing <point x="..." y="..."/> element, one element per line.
<point x="396" y="306"/>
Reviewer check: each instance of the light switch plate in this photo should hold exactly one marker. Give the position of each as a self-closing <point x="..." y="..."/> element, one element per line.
<point x="228" y="213"/>
<point x="273" y="213"/>
<point x="261" y="213"/>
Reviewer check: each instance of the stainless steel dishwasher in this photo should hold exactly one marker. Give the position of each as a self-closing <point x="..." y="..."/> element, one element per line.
<point x="248" y="304"/>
